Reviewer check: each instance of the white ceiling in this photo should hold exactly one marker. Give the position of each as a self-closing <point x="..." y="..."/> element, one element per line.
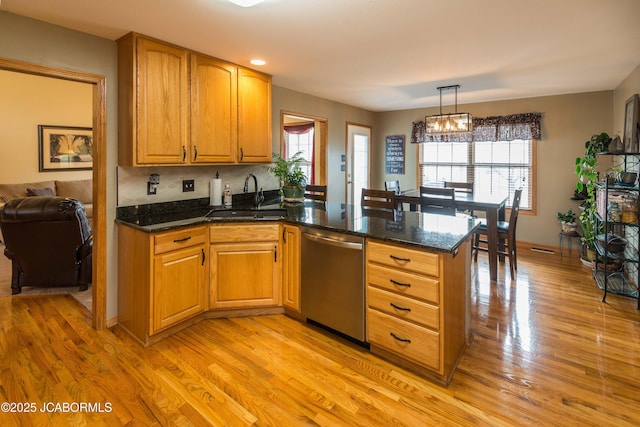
<point x="385" y="55"/>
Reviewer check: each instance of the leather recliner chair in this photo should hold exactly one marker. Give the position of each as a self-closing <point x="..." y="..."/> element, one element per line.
<point x="49" y="242"/>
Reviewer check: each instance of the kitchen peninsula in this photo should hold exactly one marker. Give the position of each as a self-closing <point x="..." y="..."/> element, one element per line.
<point x="179" y="265"/>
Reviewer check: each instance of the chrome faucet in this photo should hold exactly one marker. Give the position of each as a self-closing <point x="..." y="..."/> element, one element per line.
<point x="258" y="198"/>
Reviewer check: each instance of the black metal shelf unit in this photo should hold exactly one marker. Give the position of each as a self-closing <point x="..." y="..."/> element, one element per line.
<point x="618" y="272"/>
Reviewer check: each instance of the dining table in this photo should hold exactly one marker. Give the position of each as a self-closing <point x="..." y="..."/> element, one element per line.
<point x="493" y="205"/>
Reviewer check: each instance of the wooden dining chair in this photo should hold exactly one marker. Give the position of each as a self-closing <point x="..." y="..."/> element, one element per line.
<point x="316" y="193"/>
<point x="377" y="199"/>
<point x="438" y="200"/>
<point x="461" y="187"/>
<point x="506" y="236"/>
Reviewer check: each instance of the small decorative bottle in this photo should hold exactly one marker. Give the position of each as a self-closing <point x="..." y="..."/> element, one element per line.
<point x="226" y="195"/>
<point x="614" y="212"/>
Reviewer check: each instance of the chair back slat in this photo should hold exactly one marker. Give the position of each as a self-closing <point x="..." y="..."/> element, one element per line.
<point x="460" y="187"/>
<point x="377" y="199"/>
<point x="317" y="193"/>
<point x="438" y="200"/>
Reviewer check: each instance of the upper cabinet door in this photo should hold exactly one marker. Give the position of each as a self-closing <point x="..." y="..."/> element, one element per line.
<point x="214" y="114"/>
<point x="254" y="117"/>
<point x="162" y="103"/>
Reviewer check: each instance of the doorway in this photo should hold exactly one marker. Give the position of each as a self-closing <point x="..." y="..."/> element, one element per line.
<point x="99" y="300"/>
<point x="308" y="134"/>
<point x="357" y="161"/>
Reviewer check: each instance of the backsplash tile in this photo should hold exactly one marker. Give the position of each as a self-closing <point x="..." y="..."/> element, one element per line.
<point x="132" y="182"/>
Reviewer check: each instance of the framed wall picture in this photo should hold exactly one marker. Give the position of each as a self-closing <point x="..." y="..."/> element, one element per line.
<point x="631" y="124"/>
<point x="63" y="148"/>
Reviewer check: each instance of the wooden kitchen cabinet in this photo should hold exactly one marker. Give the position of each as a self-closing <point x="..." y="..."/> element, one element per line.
<point x="417" y="306"/>
<point x="291" y="267"/>
<point x="246" y="264"/>
<point x="214" y="110"/>
<point x="254" y="117"/>
<point x="153" y="102"/>
<point x="179" y="107"/>
<point x="162" y="278"/>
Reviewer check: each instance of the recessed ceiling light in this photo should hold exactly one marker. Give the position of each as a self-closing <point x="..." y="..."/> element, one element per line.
<point x="246" y="3"/>
<point x="258" y="61"/>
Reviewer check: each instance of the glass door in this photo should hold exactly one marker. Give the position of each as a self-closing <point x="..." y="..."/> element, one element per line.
<point x="357" y="161"/>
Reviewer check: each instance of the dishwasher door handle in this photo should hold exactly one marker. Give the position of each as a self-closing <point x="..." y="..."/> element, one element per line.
<point x="333" y="242"/>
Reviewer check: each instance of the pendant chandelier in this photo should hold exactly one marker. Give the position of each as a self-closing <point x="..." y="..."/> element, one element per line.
<point x="448" y="123"/>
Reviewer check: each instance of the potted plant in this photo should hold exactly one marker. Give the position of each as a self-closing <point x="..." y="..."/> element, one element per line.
<point x="568" y="221"/>
<point x="292" y="178"/>
<point x="585" y="168"/>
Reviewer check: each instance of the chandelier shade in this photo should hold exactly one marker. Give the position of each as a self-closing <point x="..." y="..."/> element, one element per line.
<point x="438" y="124"/>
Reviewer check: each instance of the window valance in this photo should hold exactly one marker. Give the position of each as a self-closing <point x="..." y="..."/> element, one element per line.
<point x="299" y="129"/>
<point x="495" y="128"/>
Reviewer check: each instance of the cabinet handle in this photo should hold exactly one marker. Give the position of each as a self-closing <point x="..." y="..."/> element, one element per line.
<point x="184" y="153"/>
<point x="275" y="254"/>
<point x="202" y="257"/>
<point x="399" y="258"/>
<point x="284" y="238"/>
<point x="195" y="153"/>
<point x="241" y="154"/>
<point x="399" y="338"/>
<point x="408" y="285"/>
<point x="397" y="307"/>
<point x="184" y="239"/>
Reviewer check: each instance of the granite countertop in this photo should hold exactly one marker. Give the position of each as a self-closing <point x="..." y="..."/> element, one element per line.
<point x="438" y="232"/>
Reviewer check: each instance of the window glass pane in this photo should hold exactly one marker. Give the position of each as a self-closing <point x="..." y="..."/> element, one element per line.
<point x="302" y="143"/>
<point x="482" y="151"/>
<point x="460" y="153"/>
<point x="495" y="167"/>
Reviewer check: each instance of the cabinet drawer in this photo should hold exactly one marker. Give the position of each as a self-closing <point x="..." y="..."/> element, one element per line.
<point x="172" y="240"/>
<point x="243" y="233"/>
<point x="411" y="342"/>
<point x="404" y="308"/>
<point x="404" y="283"/>
<point x="404" y="258"/>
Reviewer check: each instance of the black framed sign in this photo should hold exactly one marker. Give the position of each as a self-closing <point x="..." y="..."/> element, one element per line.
<point x="394" y="154"/>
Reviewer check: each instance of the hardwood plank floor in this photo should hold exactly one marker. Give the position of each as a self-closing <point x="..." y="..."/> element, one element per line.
<point x="546" y="351"/>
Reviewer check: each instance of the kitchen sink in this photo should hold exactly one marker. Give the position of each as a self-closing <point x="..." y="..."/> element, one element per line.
<point x="244" y="214"/>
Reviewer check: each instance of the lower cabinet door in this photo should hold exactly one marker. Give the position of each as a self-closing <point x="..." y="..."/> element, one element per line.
<point x="179" y="286"/>
<point x="245" y="275"/>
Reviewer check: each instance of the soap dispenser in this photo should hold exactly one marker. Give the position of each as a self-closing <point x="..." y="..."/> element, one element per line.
<point x="227" y="195"/>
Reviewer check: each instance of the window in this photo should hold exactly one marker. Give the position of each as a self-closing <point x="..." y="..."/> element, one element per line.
<point x="493" y="166"/>
<point x="301" y="140"/>
<point x="499" y="156"/>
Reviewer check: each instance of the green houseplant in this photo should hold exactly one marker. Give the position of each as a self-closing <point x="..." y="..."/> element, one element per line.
<point x="292" y="178"/>
<point x="585" y="168"/>
<point x="568" y="221"/>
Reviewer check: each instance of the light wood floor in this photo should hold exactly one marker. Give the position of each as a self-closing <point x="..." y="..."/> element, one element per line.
<point x="546" y="351"/>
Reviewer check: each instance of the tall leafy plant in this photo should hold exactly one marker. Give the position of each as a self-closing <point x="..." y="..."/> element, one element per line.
<point x="289" y="170"/>
<point x="587" y="179"/>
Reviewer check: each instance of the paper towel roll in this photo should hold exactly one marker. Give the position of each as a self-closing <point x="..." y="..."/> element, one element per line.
<point x="215" y="194"/>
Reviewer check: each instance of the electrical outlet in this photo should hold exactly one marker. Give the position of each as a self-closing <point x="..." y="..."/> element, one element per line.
<point x="188" y="185"/>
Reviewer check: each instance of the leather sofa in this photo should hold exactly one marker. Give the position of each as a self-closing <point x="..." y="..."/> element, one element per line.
<point x="49" y="242"/>
<point x="79" y="189"/>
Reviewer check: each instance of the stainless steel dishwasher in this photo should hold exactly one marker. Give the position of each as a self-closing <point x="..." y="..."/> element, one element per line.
<point x="332" y="292"/>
